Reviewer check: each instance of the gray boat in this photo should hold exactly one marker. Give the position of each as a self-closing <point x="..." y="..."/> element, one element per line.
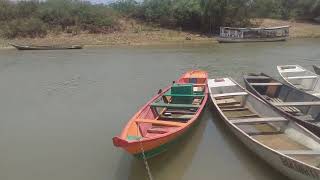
<point x="55" y="47"/>
<point x="298" y="105"/>
<point x="284" y="144"/>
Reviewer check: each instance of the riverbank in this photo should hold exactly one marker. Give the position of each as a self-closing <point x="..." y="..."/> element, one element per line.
<point x="135" y="33"/>
<point x="132" y="33"/>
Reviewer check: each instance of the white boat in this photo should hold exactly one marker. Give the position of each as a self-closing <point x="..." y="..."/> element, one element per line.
<point x="281" y="142"/>
<point x="300" y="78"/>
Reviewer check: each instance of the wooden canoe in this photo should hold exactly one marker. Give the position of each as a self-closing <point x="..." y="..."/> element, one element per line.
<point x="293" y="103"/>
<point x="284" y="144"/>
<point x="316" y="69"/>
<point x="300" y="78"/>
<point x="166" y="117"/>
<point x="32" y="47"/>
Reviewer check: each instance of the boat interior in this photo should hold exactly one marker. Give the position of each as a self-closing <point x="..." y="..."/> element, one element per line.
<point x="316" y="69"/>
<point x="262" y="123"/>
<point x="301" y="78"/>
<point x="295" y="102"/>
<point x="170" y="111"/>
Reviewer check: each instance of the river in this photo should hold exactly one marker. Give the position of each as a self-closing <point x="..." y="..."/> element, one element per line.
<point x="60" y="109"/>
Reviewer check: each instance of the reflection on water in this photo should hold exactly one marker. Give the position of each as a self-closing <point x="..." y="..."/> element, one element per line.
<point x="60" y="109"/>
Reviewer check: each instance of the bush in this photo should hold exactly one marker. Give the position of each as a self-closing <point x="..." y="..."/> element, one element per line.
<point x="31" y="27"/>
<point x="33" y="18"/>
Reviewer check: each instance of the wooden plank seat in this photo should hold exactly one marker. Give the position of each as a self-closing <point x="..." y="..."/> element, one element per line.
<point x="235" y="109"/>
<point x="300" y="152"/>
<point x="255" y="130"/>
<point x="302" y="77"/>
<point x="257" y="77"/>
<point x="199" y="84"/>
<point x="228" y="101"/>
<point x="222" y="107"/>
<point x="290" y="109"/>
<point x="243" y="116"/>
<point x="177" y="117"/>
<point x="160" y="122"/>
<point x="184" y="95"/>
<point x="266" y="84"/>
<point x="311" y="103"/>
<point x="165" y="105"/>
<point x="179" y="111"/>
<point x="230" y="94"/>
<point x="258" y="120"/>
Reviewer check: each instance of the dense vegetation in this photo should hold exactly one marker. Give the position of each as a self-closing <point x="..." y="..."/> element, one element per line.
<point x="36" y="18"/>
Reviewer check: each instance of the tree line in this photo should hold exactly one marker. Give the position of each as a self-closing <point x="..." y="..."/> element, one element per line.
<point x="35" y="18"/>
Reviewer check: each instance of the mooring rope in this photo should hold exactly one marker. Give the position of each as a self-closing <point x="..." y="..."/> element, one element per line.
<point x="145" y="161"/>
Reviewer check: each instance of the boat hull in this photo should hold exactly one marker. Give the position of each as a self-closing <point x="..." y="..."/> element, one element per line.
<point x="152" y="146"/>
<point x="316" y="69"/>
<point x="282" y="164"/>
<point x="21" y="47"/>
<point x="164" y="147"/>
<point x="238" y="40"/>
<point x="288" y="166"/>
<point x="310" y="86"/>
<point x="315" y="129"/>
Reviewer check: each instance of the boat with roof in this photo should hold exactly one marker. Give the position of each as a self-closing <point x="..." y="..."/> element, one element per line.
<point x="261" y="34"/>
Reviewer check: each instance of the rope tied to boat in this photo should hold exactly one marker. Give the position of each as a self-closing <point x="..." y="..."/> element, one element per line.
<point x="145" y="161"/>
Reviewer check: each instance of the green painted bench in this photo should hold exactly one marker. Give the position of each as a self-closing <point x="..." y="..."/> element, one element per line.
<point x="174" y="105"/>
<point x="183" y="95"/>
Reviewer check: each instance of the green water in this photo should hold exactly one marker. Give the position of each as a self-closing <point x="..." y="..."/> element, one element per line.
<point x="60" y="109"/>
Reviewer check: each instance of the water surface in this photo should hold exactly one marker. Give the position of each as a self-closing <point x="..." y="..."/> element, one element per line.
<point x="60" y="109"/>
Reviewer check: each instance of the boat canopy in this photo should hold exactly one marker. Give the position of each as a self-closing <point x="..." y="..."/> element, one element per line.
<point x="269" y="32"/>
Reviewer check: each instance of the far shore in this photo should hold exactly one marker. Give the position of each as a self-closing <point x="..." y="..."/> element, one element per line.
<point x="139" y="34"/>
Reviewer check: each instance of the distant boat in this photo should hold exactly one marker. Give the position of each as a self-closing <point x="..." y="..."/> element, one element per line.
<point x="56" y="47"/>
<point x="166" y="117"/>
<point x="285" y="145"/>
<point x="302" y="107"/>
<point x="237" y="35"/>
<point x="316" y="69"/>
<point x="300" y="78"/>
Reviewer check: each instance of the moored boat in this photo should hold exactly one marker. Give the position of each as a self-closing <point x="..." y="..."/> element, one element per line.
<point x="237" y="35"/>
<point x="56" y="47"/>
<point x="316" y="69"/>
<point x="287" y="146"/>
<point x="300" y="78"/>
<point x="166" y="117"/>
<point x="298" y="105"/>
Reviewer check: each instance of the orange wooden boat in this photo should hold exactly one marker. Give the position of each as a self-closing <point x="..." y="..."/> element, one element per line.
<point x="166" y="117"/>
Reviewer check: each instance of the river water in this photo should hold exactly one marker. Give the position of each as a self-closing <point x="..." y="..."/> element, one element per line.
<point x="60" y="109"/>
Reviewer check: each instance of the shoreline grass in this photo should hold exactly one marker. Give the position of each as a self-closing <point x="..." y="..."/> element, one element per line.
<point x="135" y="33"/>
